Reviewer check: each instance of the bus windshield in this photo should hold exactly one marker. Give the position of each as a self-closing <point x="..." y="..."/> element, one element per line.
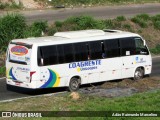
<point x="19" y="53"/>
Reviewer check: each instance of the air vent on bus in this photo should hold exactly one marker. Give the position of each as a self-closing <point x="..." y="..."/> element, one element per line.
<point x="112" y="31"/>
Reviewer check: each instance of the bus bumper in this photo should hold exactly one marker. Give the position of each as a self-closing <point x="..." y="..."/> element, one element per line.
<point x="21" y="84"/>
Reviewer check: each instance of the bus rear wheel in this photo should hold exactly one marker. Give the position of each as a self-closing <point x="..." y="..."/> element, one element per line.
<point x="74" y="84"/>
<point x="139" y="74"/>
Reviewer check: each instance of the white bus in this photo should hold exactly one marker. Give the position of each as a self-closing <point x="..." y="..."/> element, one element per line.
<point x="70" y="59"/>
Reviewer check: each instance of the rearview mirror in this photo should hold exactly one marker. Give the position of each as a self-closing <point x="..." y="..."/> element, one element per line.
<point x="144" y="43"/>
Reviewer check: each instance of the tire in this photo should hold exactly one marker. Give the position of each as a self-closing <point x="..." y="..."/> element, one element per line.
<point x="74" y="85"/>
<point x="139" y="74"/>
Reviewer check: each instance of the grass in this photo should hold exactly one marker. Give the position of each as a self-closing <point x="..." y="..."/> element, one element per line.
<point x="149" y="101"/>
<point x="2" y="70"/>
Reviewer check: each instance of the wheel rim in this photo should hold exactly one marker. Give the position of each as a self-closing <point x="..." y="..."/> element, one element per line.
<point x="138" y="74"/>
<point x="74" y="85"/>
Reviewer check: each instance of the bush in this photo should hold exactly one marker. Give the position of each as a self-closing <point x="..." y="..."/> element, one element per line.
<point x="144" y="17"/>
<point x="58" y="24"/>
<point x="84" y="22"/>
<point x="51" y="31"/>
<point x="157" y="25"/>
<point x="128" y="27"/>
<point x="109" y="24"/>
<point x="11" y="5"/>
<point x="156" y="18"/>
<point x="36" y="29"/>
<point x="42" y="25"/>
<point x="120" y="18"/>
<point x="3" y="5"/>
<point x="12" y="26"/>
<point x="156" y="21"/>
<point x="2" y="71"/>
<point x="156" y="50"/>
<point x="139" y="21"/>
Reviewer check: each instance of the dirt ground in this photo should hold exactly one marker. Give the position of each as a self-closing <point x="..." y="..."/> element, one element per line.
<point x="141" y="85"/>
<point x="125" y="87"/>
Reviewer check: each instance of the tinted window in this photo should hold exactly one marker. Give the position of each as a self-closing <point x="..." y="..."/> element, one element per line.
<point x="81" y="52"/>
<point x="61" y="57"/>
<point x="68" y="53"/>
<point x="140" y="48"/>
<point x="95" y="50"/>
<point x="127" y="46"/>
<point x="48" y="54"/>
<point x="39" y="56"/>
<point x="111" y="48"/>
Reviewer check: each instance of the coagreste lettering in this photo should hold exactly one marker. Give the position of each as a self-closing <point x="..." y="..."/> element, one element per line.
<point x="85" y="64"/>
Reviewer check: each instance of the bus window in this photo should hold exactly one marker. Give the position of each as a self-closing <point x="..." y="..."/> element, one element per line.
<point x="88" y="53"/>
<point x="39" y="57"/>
<point x="61" y="58"/>
<point x="111" y="48"/>
<point x="103" y="51"/>
<point x="140" y="48"/>
<point x="48" y="55"/>
<point x="127" y="46"/>
<point x="68" y="53"/>
<point x="95" y="50"/>
<point x="81" y="52"/>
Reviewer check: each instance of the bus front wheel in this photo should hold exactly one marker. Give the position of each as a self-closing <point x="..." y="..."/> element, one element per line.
<point x="74" y="84"/>
<point x="139" y="74"/>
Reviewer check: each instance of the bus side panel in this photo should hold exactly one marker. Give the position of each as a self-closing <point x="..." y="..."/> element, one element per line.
<point x="53" y="76"/>
<point x="59" y="75"/>
<point x="148" y="66"/>
<point x="128" y="66"/>
<point x="110" y="69"/>
<point x="144" y="61"/>
<point x="35" y="69"/>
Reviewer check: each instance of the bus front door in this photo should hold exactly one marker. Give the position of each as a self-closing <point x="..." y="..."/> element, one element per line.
<point x="127" y="66"/>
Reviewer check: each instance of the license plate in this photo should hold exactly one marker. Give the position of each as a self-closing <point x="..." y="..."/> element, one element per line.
<point x="17" y="83"/>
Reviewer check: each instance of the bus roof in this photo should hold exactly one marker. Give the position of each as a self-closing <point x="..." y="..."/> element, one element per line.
<point x="77" y="36"/>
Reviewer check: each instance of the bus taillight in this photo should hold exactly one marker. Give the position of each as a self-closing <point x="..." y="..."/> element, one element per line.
<point x="31" y="73"/>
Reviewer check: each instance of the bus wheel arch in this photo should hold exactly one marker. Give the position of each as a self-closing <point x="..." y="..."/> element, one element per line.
<point x="139" y="73"/>
<point x="74" y="83"/>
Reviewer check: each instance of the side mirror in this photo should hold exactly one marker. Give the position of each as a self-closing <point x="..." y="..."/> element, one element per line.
<point x="143" y="53"/>
<point x="144" y="43"/>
